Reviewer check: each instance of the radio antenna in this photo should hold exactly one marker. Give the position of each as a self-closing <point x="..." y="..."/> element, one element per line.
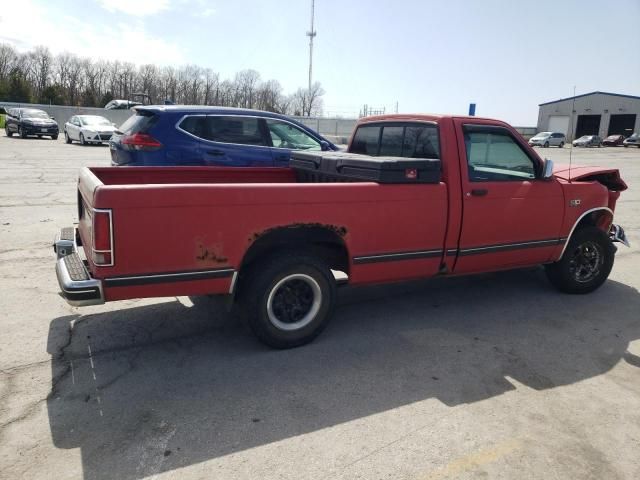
<point x="573" y="110"/>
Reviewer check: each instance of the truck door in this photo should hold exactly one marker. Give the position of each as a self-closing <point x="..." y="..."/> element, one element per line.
<point x="511" y="216"/>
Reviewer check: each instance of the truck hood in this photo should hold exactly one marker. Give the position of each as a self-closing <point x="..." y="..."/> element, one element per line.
<point x="609" y="177"/>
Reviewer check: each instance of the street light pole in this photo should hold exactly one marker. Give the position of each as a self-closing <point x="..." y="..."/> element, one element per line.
<point x="311" y="34"/>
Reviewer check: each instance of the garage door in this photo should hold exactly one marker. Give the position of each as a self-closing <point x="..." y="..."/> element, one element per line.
<point x="559" y="123"/>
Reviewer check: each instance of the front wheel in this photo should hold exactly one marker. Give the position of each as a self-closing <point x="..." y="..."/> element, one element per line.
<point x="10" y="134"/>
<point x="67" y="138"/>
<point x="546" y="145"/>
<point x="561" y="145"/>
<point x="586" y="263"/>
<point x="22" y="133"/>
<point x="82" y="140"/>
<point x="288" y="299"/>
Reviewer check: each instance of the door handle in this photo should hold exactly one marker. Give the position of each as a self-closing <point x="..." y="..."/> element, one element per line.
<point x="479" y="192"/>
<point x="215" y="153"/>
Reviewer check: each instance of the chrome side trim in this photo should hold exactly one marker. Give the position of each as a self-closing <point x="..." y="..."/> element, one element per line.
<point x="391" y="257"/>
<point x="234" y="279"/>
<point x="584" y="214"/>
<point x="169" y="277"/>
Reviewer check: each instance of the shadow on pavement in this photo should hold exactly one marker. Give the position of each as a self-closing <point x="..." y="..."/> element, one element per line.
<point x="155" y="388"/>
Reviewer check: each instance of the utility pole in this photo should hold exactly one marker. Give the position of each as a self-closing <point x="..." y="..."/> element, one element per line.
<point x="311" y="34"/>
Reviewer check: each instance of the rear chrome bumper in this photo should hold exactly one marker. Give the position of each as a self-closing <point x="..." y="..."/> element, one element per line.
<point x="77" y="286"/>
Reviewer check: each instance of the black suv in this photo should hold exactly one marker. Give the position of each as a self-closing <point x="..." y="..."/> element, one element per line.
<point x="30" y="121"/>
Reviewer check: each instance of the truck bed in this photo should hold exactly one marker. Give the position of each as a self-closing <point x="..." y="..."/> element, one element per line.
<point x="191" y="219"/>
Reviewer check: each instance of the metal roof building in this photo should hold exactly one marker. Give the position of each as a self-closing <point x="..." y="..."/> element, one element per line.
<point x="595" y="113"/>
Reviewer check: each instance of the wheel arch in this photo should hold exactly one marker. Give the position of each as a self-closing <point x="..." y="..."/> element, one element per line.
<point x="323" y="241"/>
<point x="600" y="217"/>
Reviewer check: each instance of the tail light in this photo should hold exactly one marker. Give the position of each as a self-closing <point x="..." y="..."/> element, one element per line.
<point x="102" y="249"/>
<point x="140" y="141"/>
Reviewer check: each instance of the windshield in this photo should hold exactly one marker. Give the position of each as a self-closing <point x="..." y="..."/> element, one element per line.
<point x="585" y="137"/>
<point x="635" y="136"/>
<point x="94" y="120"/>
<point x="543" y="135"/>
<point x="35" y="114"/>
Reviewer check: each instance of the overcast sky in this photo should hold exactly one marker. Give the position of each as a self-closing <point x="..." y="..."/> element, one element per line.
<point x="429" y="56"/>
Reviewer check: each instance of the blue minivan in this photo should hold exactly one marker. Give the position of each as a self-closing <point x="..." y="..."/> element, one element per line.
<point x="175" y="135"/>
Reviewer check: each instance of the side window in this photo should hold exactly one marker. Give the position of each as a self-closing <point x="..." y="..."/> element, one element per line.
<point x="494" y="156"/>
<point x="194" y="125"/>
<point x="240" y="130"/>
<point x="366" y="140"/>
<point x="285" y="135"/>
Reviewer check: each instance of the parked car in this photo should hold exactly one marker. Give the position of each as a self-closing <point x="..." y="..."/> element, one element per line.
<point x="588" y="141"/>
<point x="633" y="140"/>
<point x="30" y="122"/>
<point x="88" y="129"/>
<point x="121" y="105"/>
<point x="269" y="238"/>
<point x="613" y="141"/>
<point x="548" y="139"/>
<point x="178" y="135"/>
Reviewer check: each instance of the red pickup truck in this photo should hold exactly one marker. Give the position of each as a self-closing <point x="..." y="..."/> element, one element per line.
<point x="275" y="239"/>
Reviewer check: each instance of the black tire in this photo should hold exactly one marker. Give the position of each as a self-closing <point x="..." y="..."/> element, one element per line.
<point x="10" y="134"/>
<point x="546" y="145"/>
<point x="287" y="300"/>
<point x="54" y="137"/>
<point x="67" y="139"/>
<point x="561" y="145"/>
<point x="21" y="133"/>
<point x="82" y="140"/>
<point x="586" y="263"/>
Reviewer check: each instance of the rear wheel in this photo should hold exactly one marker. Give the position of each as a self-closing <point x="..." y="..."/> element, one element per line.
<point x="287" y="300"/>
<point x="54" y="137"/>
<point x="586" y="263"/>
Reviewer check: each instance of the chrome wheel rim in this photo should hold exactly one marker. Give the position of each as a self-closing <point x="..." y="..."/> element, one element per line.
<point x="294" y="302"/>
<point x="586" y="261"/>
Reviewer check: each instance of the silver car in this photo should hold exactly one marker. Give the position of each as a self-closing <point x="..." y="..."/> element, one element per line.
<point x="88" y="129"/>
<point x="548" y="139"/>
<point x="588" y="141"/>
<point x="632" y="140"/>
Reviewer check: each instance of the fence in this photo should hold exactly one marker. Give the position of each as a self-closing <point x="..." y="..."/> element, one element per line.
<point x="335" y="129"/>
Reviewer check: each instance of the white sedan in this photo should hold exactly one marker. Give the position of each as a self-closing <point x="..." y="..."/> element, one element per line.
<point x="88" y="129"/>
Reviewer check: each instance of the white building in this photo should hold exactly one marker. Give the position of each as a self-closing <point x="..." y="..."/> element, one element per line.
<point x="595" y="113"/>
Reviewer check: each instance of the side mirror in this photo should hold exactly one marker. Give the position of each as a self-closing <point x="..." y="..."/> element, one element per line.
<point x="113" y="124"/>
<point x="324" y="146"/>
<point x="52" y="118"/>
<point x="547" y="169"/>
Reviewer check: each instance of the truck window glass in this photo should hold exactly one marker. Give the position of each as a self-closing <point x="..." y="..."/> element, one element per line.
<point x="421" y="142"/>
<point x="391" y="143"/>
<point x="239" y="130"/>
<point x="496" y="157"/>
<point x="366" y="140"/>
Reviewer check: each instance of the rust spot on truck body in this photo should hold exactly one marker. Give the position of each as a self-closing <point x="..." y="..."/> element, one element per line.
<point x="339" y="230"/>
<point x="210" y="255"/>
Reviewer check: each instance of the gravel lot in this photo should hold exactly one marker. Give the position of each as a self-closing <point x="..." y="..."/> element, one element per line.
<point x="495" y="376"/>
